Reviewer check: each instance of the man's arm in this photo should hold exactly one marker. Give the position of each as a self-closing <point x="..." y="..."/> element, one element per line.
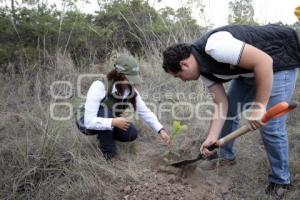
<point x="262" y="65"/>
<point x="219" y="116"/>
<point x="224" y="48"/>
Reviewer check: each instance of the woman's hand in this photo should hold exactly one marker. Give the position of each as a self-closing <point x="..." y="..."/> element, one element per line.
<point x="121" y="123"/>
<point x="165" y="137"/>
<point x="203" y="149"/>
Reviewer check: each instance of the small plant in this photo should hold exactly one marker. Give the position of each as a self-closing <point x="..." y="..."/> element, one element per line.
<point x="177" y="129"/>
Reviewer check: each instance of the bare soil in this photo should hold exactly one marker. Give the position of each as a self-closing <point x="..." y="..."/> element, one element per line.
<point x="245" y="180"/>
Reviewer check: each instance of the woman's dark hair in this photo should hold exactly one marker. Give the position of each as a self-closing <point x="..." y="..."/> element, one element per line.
<point x="173" y="55"/>
<point x="115" y="76"/>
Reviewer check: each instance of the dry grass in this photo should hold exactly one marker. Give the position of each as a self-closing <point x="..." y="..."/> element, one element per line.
<point x="41" y="158"/>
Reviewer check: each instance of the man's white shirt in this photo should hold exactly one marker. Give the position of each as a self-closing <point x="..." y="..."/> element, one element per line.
<point x="224" y="48"/>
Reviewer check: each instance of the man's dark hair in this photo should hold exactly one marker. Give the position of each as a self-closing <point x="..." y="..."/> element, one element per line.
<point x="173" y="55"/>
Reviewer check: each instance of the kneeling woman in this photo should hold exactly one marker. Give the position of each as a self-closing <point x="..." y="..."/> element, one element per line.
<point x="103" y="108"/>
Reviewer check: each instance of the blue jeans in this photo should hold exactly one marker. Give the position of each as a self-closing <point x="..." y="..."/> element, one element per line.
<point x="107" y="137"/>
<point x="274" y="133"/>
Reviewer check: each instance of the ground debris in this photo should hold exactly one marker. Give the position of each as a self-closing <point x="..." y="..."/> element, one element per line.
<point x="154" y="186"/>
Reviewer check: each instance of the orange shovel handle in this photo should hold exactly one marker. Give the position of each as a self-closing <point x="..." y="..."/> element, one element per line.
<point x="274" y="112"/>
<point x="278" y="110"/>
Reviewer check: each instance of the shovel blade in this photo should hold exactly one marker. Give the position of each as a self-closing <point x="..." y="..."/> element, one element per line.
<point x="185" y="162"/>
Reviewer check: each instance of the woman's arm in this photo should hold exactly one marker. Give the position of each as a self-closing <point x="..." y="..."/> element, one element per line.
<point x="146" y="114"/>
<point x="94" y="96"/>
<point x="150" y="118"/>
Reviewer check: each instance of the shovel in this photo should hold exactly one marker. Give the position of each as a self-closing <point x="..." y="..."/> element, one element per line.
<point x="274" y="112"/>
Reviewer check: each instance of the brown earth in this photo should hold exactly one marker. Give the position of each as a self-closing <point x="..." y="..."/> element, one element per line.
<point x="245" y="180"/>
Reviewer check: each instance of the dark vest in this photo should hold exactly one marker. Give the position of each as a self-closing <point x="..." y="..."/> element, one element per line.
<point x="280" y="42"/>
<point x="115" y="102"/>
<point x="110" y="101"/>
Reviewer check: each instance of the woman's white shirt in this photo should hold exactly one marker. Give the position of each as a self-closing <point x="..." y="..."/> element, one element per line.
<point x="95" y="95"/>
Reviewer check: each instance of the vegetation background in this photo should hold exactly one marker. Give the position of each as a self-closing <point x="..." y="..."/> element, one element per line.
<point x="44" y="158"/>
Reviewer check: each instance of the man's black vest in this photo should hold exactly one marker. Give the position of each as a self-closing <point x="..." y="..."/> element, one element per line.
<point x="280" y="42"/>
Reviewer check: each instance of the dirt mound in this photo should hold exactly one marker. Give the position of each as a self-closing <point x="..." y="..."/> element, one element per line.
<point x="155" y="185"/>
<point x="169" y="183"/>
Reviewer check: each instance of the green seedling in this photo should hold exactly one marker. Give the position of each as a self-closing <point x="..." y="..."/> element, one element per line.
<point x="177" y="129"/>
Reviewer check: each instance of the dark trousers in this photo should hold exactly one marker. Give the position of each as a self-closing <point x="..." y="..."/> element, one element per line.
<point x="107" y="137"/>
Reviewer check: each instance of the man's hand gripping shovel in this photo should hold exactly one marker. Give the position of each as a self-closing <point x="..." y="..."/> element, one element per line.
<point x="274" y="112"/>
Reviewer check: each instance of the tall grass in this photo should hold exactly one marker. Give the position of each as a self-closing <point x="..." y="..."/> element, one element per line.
<point x="43" y="158"/>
